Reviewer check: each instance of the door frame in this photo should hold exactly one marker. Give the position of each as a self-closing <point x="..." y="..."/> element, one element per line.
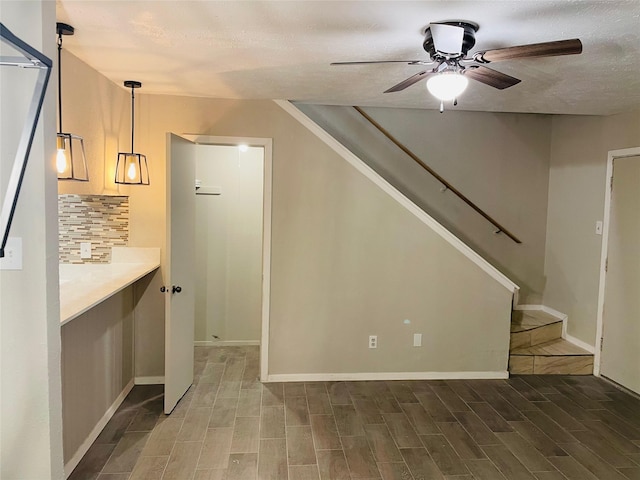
<point x="267" y="144"/>
<point x="612" y="155"/>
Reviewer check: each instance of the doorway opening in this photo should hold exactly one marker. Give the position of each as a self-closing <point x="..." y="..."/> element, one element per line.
<point x="233" y="241"/>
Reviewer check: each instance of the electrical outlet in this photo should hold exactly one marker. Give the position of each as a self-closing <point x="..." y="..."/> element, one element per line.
<point x="417" y="339"/>
<point x="85" y="250"/>
<point x="373" y="341"/>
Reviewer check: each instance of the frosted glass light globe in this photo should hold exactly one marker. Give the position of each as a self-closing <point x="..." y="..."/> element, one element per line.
<point x="447" y="85"/>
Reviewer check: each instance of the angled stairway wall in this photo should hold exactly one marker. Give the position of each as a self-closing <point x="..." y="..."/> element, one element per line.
<point x="500" y="161"/>
<point x="381" y="266"/>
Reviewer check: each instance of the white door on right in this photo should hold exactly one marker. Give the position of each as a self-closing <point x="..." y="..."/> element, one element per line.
<point x="620" y="360"/>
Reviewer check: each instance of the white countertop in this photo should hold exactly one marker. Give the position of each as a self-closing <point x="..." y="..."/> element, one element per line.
<point x="83" y="286"/>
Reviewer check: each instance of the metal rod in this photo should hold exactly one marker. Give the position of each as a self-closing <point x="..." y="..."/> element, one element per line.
<point x="59" y="81"/>
<point x="132" y="116"/>
<point x="437" y="176"/>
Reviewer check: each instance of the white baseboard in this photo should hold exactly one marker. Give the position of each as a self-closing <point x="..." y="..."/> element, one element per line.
<point x="226" y="343"/>
<point x="84" y="448"/>
<point x="564" y="318"/>
<point x="149" y="380"/>
<point x="327" y="377"/>
<point x="579" y="343"/>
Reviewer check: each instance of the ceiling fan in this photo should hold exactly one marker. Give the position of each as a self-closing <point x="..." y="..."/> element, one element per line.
<point x="448" y="43"/>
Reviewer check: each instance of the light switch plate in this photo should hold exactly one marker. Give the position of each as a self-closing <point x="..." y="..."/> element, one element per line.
<point x="12" y="259"/>
<point x="598" y="227"/>
<point x="417" y="339"/>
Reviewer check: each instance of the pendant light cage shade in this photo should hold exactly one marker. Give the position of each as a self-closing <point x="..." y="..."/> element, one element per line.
<point x="132" y="169"/>
<point x="71" y="161"/>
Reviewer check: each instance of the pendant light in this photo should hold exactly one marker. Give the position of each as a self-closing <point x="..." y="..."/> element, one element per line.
<point x="132" y="167"/>
<point x="71" y="162"/>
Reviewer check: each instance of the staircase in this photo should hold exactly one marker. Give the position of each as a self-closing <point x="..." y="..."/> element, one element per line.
<point x="537" y="347"/>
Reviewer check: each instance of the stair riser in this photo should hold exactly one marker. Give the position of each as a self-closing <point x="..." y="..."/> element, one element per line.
<point x="536" y="336"/>
<point x="551" y="365"/>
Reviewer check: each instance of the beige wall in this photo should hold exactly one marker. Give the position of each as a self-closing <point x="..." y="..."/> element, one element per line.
<point x="500" y="161"/>
<point x="229" y="244"/>
<point x="99" y="111"/>
<point x="97" y="364"/>
<point x="30" y="410"/>
<point x="579" y="149"/>
<point x="313" y="201"/>
<point x="318" y="257"/>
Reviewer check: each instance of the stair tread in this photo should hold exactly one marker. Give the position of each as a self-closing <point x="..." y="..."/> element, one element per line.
<point x="523" y="320"/>
<point x="557" y="347"/>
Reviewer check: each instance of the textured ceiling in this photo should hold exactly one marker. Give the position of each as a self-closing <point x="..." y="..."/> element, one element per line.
<point x="282" y="49"/>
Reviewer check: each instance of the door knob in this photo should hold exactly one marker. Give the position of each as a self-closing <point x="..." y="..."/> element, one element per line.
<point x="176" y="289"/>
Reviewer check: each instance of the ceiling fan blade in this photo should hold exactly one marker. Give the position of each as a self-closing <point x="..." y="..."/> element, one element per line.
<point x="491" y="77"/>
<point x="408" y="62"/>
<point x="409" y="81"/>
<point x="547" y="49"/>
<point x="447" y="39"/>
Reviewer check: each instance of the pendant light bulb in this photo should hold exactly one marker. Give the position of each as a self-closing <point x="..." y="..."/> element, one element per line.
<point x="131" y="171"/>
<point x="61" y="160"/>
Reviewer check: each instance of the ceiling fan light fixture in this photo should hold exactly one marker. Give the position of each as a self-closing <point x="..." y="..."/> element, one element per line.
<point x="447" y="86"/>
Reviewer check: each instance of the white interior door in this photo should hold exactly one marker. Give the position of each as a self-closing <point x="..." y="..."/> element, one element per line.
<point x="620" y="358"/>
<point x="180" y="268"/>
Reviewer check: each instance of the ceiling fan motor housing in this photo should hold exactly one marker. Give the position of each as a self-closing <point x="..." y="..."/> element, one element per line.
<point x="468" y="38"/>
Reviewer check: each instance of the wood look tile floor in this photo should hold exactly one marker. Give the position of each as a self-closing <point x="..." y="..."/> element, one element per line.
<point x="229" y="426"/>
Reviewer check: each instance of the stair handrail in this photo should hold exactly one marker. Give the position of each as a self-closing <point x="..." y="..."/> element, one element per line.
<point x="437" y="176"/>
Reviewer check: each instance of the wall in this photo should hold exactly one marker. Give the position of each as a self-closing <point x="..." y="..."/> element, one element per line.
<point x="579" y="147"/>
<point x="229" y="244"/>
<point x="302" y="164"/>
<point x="100" y="111"/>
<point x="30" y="397"/>
<point x="498" y="160"/>
<point x="97" y="365"/>
<point x="314" y="202"/>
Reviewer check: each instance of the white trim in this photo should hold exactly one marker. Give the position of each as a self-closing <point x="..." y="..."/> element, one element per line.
<point x="327" y="377"/>
<point x="564" y="318"/>
<point x="267" y="144"/>
<point x="611" y="156"/>
<point x="84" y="447"/>
<point x="397" y="195"/>
<point x="528" y="307"/>
<point x="579" y="343"/>
<point x="225" y="343"/>
<point x="159" y="380"/>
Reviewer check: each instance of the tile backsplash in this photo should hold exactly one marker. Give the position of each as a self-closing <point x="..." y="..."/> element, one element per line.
<point x="102" y="220"/>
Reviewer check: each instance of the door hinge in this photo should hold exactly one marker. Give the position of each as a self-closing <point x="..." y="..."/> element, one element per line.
<point x="611" y="183"/>
<point x="606" y="265"/>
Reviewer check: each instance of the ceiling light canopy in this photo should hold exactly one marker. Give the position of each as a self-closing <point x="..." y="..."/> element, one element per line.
<point x="71" y="162"/>
<point x="132" y="167"/>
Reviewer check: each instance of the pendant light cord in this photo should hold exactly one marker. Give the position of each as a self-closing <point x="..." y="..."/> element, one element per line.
<point x="132" y="116"/>
<point x="59" y="82"/>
